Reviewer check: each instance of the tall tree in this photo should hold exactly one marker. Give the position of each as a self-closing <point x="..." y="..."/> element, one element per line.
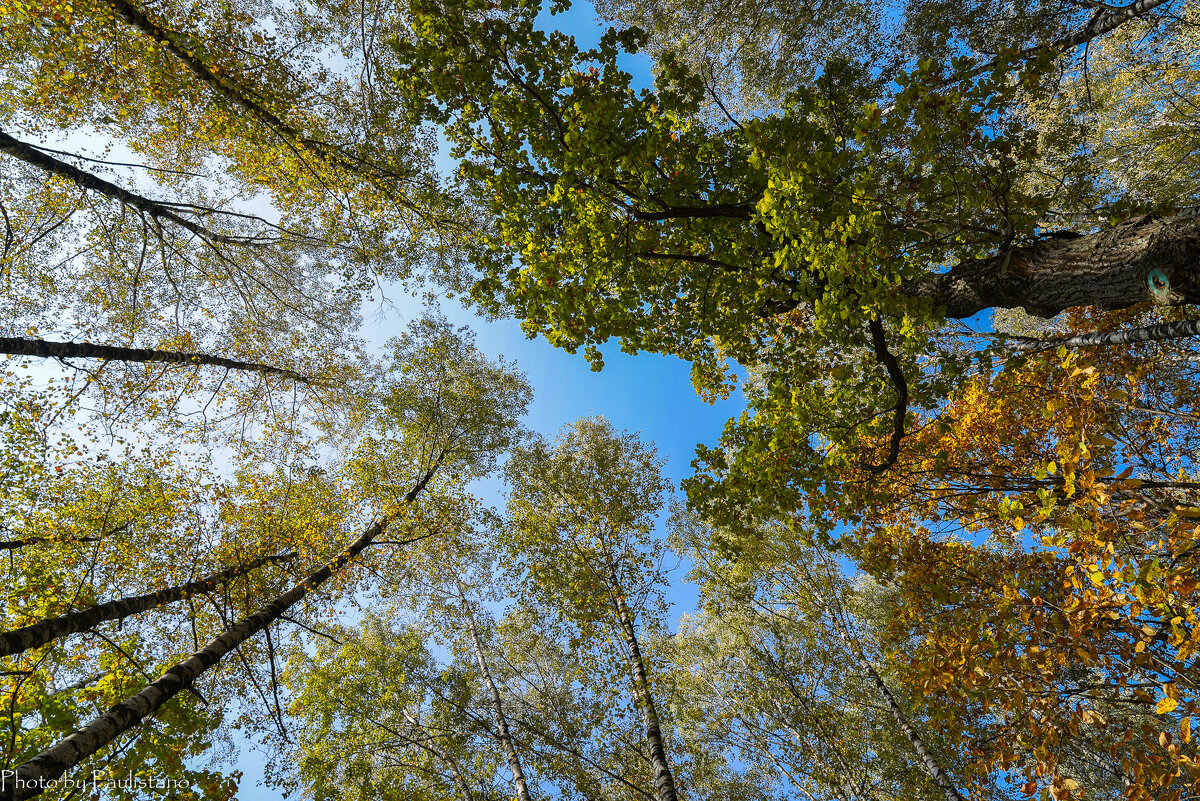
<point x="831" y="244"/>
<point x="378" y="718"/>
<point x="443" y="417"/>
<point x="783" y="671"/>
<point x="581" y="514"/>
<point x="221" y="190"/>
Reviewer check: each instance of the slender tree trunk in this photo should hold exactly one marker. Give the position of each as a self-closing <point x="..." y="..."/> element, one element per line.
<point x="1145" y="259"/>
<point x="1098" y="339"/>
<point x="29" y="779"/>
<point x="932" y="767"/>
<point x="664" y="781"/>
<point x="22" y="639"/>
<point x="506" y="742"/>
<point x="45" y="349"/>
<point x="12" y="545"/>
<point x="86" y="180"/>
<point x="927" y="759"/>
<point x="460" y="782"/>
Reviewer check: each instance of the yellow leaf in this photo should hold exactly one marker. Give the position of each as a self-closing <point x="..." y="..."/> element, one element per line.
<point x="1165" y="705"/>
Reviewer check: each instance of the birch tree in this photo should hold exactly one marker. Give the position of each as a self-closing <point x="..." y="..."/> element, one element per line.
<point x="444" y="417"/>
<point x="581" y="514"/>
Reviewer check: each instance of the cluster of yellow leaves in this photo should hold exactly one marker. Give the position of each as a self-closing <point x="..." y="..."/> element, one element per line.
<point x="1057" y="613"/>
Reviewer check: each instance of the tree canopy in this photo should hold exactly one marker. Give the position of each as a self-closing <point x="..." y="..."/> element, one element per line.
<point x="947" y="251"/>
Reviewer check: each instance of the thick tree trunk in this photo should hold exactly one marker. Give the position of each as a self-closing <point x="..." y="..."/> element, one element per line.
<point x="1145" y="259"/>
<point x="664" y="781"/>
<point x="22" y="639"/>
<point x="29" y="780"/>
<point x="45" y="349"/>
<point x="501" y="720"/>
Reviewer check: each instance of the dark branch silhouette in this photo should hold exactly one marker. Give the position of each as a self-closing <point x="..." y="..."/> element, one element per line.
<point x="45" y="349"/>
<point x="885" y="357"/>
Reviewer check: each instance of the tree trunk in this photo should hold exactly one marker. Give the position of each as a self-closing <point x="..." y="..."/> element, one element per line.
<point x="176" y="44"/>
<point x="12" y="545"/>
<point x="29" y="780"/>
<point x="932" y="767"/>
<point x="45" y="349"/>
<point x="506" y="742"/>
<point x="1099" y="339"/>
<point x="1144" y="259"/>
<point x="86" y="180"/>
<point x="460" y="782"/>
<point x="931" y="764"/>
<point x="22" y="639"/>
<point x="664" y="781"/>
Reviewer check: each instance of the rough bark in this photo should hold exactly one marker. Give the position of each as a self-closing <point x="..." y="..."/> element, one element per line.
<point x="31" y="778"/>
<point x="498" y="716"/>
<point x="22" y="639"/>
<point x="46" y="349"/>
<point x="664" y="781"/>
<point x="1144" y="259"/>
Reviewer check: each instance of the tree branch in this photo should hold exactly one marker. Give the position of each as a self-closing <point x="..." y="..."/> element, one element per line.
<point x="1106" y="20"/>
<point x="86" y="180"/>
<point x="46" y="349"/>
<point x="885" y="357"/>
<point x="1150" y="333"/>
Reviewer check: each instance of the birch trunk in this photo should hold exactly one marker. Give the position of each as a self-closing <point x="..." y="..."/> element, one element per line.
<point x="460" y="782"/>
<point x="31" y="778"/>
<point x="932" y="767"/>
<point x="1101" y="339"/>
<point x="22" y="639"/>
<point x="664" y="781"/>
<point x="501" y="720"/>
<point x="29" y="154"/>
<point x="44" y="349"/>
